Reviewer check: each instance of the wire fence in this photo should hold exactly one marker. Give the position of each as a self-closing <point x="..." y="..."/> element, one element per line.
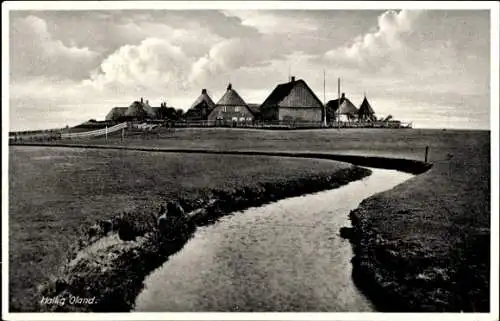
<point x="292" y="124"/>
<point x="95" y="133"/>
<point x="58" y="134"/>
<point x="148" y="128"/>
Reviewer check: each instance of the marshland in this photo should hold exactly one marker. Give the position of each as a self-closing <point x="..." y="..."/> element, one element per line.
<point x="429" y="234"/>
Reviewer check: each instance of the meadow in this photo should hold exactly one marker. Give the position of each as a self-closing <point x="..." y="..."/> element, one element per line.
<point x="436" y="225"/>
<point x="367" y="141"/>
<point x="55" y="194"/>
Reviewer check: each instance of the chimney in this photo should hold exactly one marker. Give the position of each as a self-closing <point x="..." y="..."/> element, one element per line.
<point x="203" y="91"/>
<point x="142" y="100"/>
<point x="343" y="96"/>
<point x="147" y="102"/>
<point x="229" y="87"/>
<point x="292" y="79"/>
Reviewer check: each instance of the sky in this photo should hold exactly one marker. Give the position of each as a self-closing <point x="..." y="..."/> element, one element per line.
<point x="429" y="67"/>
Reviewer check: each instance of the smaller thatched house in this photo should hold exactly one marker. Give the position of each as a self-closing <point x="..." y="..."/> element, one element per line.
<point x="366" y="112"/>
<point x="347" y="111"/>
<point x="138" y="110"/>
<point x="201" y="107"/>
<point x="231" y="109"/>
<point x="116" y="114"/>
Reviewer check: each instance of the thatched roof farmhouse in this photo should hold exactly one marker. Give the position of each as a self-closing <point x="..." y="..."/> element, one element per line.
<point x="347" y="109"/>
<point x="201" y="107"/>
<point x="292" y="101"/>
<point x="231" y="109"/>
<point x="116" y="113"/>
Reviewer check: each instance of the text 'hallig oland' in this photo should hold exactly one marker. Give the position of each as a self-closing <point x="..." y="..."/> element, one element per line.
<point x="71" y="299"/>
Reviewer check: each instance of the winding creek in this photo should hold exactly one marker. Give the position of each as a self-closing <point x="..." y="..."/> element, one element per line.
<point x="286" y="256"/>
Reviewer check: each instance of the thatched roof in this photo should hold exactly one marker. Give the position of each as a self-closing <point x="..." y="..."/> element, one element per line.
<point x="254" y="108"/>
<point x="365" y="108"/>
<point x="346" y="106"/>
<point x="231" y="98"/>
<point x="140" y="109"/>
<point x="116" y="113"/>
<point x="204" y="97"/>
<point x="282" y="96"/>
<point x="149" y="110"/>
<point x="200" y="111"/>
<point x="136" y="110"/>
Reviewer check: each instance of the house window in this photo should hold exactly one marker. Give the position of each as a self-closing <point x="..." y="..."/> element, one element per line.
<point x="237" y="109"/>
<point x="225" y="110"/>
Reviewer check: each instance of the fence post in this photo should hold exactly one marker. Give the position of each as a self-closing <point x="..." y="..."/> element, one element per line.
<point x="426" y="152"/>
<point x="106" y="133"/>
<point x="123" y="134"/>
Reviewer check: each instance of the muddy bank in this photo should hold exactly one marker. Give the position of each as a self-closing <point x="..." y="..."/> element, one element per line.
<point x="110" y="272"/>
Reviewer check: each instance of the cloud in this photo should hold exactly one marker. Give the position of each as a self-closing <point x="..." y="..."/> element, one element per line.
<point x="34" y="52"/>
<point x="154" y="66"/>
<point x="87" y="62"/>
<point x="227" y="55"/>
<point x="375" y="50"/>
<point x="194" y="40"/>
<point x="273" y="22"/>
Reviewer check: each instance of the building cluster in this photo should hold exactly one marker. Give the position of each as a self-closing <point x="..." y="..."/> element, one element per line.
<point x="293" y="101"/>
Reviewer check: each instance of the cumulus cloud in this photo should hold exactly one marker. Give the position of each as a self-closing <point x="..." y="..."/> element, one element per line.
<point x="230" y="55"/>
<point x="273" y="22"/>
<point x="153" y="66"/>
<point x="376" y="49"/>
<point x="34" y="52"/>
<point x="194" y="40"/>
<point x="224" y="56"/>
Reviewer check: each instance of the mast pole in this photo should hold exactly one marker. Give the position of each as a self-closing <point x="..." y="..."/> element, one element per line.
<point x="338" y="105"/>
<point x="324" y="98"/>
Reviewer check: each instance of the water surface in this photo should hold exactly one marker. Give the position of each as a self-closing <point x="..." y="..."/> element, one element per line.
<point x="284" y="256"/>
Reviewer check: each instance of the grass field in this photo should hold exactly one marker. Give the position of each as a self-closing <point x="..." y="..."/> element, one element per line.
<point x="435" y="228"/>
<point x="56" y="193"/>
<point x="376" y="142"/>
<point x="443" y="214"/>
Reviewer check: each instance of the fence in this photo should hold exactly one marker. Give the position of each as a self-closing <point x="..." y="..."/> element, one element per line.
<point x="57" y="134"/>
<point x="35" y="135"/>
<point x="94" y="133"/>
<point x="375" y="124"/>
<point x="248" y="124"/>
<point x="294" y="124"/>
<point x="152" y="127"/>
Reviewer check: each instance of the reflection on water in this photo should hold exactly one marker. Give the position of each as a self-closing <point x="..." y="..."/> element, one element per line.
<point x="285" y="256"/>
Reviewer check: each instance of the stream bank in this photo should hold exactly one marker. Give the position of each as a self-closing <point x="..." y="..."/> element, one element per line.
<point x="112" y="271"/>
<point x="285" y="256"/>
